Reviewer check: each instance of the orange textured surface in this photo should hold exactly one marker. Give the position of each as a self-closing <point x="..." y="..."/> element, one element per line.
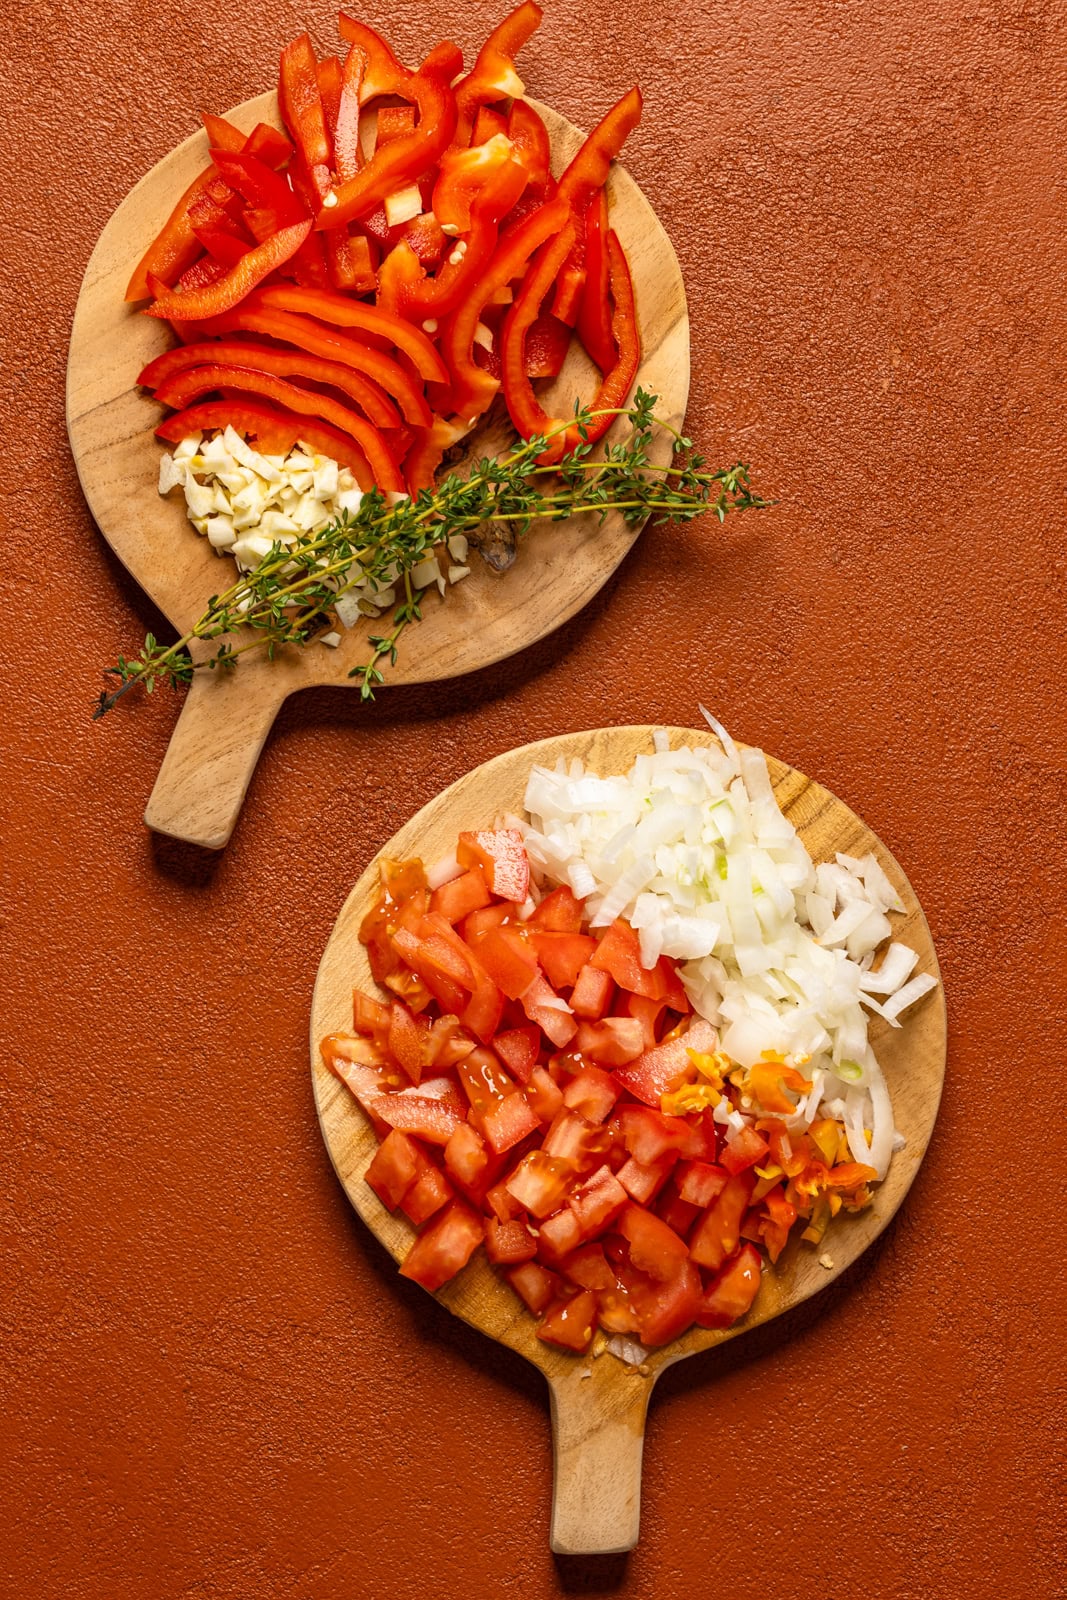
<point x="214" y="1384"/>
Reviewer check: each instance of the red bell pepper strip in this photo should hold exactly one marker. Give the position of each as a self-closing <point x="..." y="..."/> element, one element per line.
<point x="589" y="170"/>
<point x="344" y="312"/>
<point x="426" y="453"/>
<point x="372" y="401"/>
<point x="532" y="147"/>
<point x="399" y="270"/>
<point x="567" y="300"/>
<point x="309" y="335"/>
<point x="464" y="173"/>
<point x="203" y="272"/>
<point x="222" y="245"/>
<point x="276" y="432"/>
<point x="383" y="73"/>
<point x="547" y="342"/>
<point x="328" y="77"/>
<point x="493" y="76"/>
<point x="182" y="388"/>
<point x="393" y="123"/>
<point x="438" y="296"/>
<point x="594" y="317"/>
<point x="487" y="124"/>
<point x="473" y="389"/>
<point x="264" y="190"/>
<point x="347" y="150"/>
<point x="175" y="246"/>
<point x="616" y="384"/>
<point x="406" y="159"/>
<point x="348" y="257"/>
<point x="303" y="112"/>
<point x="194" y="305"/>
<point x="264" y="142"/>
<point x="221" y="134"/>
<point x="524" y="409"/>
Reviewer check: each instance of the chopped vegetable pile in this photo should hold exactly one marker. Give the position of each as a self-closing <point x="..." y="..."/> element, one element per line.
<point x="365" y="284"/>
<point x="540" y="1080"/>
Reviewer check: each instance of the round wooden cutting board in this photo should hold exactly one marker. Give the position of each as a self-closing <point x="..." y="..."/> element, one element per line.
<point x="226" y="718"/>
<point x="599" y="1405"/>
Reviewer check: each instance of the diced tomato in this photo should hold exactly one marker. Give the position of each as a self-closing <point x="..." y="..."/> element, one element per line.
<point x="478" y="923"/>
<point x="592" y="1093"/>
<point x="484" y="1081"/>
<point x="510" y="1242"/>
<point x="649" y="1135"/>
<point x="447" y="1042"/>
<point x="535" y="1284"/>
<point x="612" y="1042"/>
<point x="394" y="1168"/>
<point x="677" y="1213"/>
<point x="430" y="1191"/>
<point x="700" y="1182"/>
<point x="510" y="960"/>
<point x="518" y="1049"/>
<point x="573" y="1139"/>
<point x="503" y="1205"/>
<point x="619" y="952"/>
<point x="540" y="1182"/>
<point x="562" y="955"/>
<point x="441" y="1088"/>
<point x="666" y="1309"/>
<point x="597" y="1202"/>
<point x="501" y="853"/>
<point x="446" y="1246"/>
<point x="462" y="896"/>
<point x="369" y="1016"/>
<point x="648" y="1013"/>
<point x="408" y="1038"/>
<point x="570" y="1323"/>
<point x="732" y="1292"/>
<point x="466" y="1156"/>
<point x="716" y="1234"/>
<point x="559" y="912"/>
<point x="743" y="1150"/>
<point x="558" y="1236"/>
<point x="657" y="1071"/>
<point x="543" y="1005"/>
<point x="655" y="1248"/>
<point x="482" y="1014"/>
<point x="432" y="1120"/>
<point x="643" y="1181"/>
<point x="616" y="1312"/>
<point x="509" y="1122"/>
<point x="588" y="1267"/>
<point x="433" y="964"/>
<point x="544" y="1094"/>
<point x="592" y="993"/>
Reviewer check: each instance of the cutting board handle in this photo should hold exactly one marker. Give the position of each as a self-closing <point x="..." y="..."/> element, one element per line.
<point x="212" y="755"/>
<point x="598" y="1435"/>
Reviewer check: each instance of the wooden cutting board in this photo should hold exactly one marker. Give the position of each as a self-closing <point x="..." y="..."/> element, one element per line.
<point x="599" y="1405"/>
<point x="226" y="718"/>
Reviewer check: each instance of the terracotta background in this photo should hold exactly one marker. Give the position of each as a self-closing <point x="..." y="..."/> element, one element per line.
<point x="214" y="1384"/>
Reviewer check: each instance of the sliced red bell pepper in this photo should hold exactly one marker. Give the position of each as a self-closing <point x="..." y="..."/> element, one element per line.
<point x="221" y="134"/>
<point x="404" y="160"/>
<point x="197" y="304"/>
<point x="349" y="260"/>
<point x="222" y="246"/>
<point x="533" y="149"/>
<point x="328" y="76"/>
<point x="487" y="124"/>
<point x="493" y="76"/>
<point x="383" y="73"/>
<point x="570" y="286"/>
<point x="400" y="270"/>
<point x="612" y="393"/>
<point x="303" y="112"/>
<point x="265" y="190"/>
<point x="473" y="389"/>
<point x="276" y="431"/>
<point x="371" y="400"/>
<point x="525" y="410"/>
<point x="547" y="342"/>
<point x="310" y="335"/>
<point x="344" y="312"/>
<point x="206" y="271"/>
<point x="182" y="388"/>
<point x="590" y="167"/>
<point x="426" y="454"/>
<point x="594" y="318"/>
<point x="463" y="174"/>
<point x="438" y="296"/>
<point x="394" y="122"/>
<point x="347" y="150"/>
<point x="267" y="144"/>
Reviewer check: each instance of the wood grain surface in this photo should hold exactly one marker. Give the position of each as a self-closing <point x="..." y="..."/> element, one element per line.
<point x="487" y="617"/>
<point x="599" y="1406"/>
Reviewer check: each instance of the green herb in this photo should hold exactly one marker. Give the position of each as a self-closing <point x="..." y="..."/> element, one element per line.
<point x="288" y="598"/>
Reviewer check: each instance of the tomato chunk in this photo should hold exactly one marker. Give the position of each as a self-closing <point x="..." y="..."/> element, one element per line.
<point x="733" y="1291"/>
<point x="462" y="896"/>
<point x="655" y="1248"/>
<point x="560" y="912"/>
<point x="394" y="1168"/>
<point x="446" y="1246"/>
<point x="501" y="854"/>
<point x="591" y="996"/>
<point x="510" y="1242"/>
<point x="508" y="1123"/>
<point x="570" y="1323"/>
<point x="535" y="1284"/>
<point x="518" y="1049"/>
<point x="716" y="1234"/>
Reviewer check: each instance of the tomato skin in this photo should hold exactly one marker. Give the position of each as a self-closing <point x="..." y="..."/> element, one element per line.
<point x="432" y="1120"/>
<point x="663" y="1068"/>
<point x="518" y="1049"/>
<point x="570" y="1323"/>
<point x="540" y="1002"/>
<point x="733" y="1290"/>
<point x="509" y="959"/>
<point x="445" y="1247"/>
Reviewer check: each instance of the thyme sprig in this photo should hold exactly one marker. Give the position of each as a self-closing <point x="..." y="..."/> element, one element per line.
<point x="289" y="597"/>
